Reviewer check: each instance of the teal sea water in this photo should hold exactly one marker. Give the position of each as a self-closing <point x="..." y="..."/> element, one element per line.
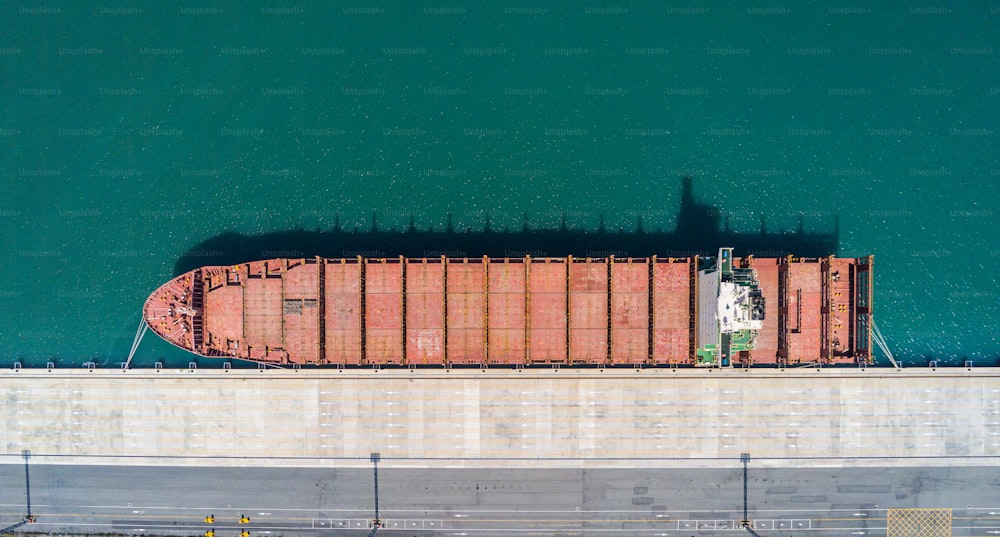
<point x="131" y="132"/>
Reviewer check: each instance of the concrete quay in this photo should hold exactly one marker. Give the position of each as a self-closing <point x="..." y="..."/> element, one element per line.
<point x="529" y="418"/>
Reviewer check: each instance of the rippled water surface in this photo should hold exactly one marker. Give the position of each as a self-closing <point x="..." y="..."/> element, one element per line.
<point x="131" y="135"/>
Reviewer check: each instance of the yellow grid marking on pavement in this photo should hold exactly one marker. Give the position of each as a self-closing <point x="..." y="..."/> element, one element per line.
<point x="918" y="523"/>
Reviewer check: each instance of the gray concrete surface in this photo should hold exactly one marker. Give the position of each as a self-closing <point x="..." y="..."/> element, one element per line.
<point x="481" y="502"/>
<point x="567" y="418"/>
<point x="532" y="452"/>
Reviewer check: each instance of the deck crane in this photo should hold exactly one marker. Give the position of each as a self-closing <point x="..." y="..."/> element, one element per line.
<point x="745" y="459"/>
<point x="376" y="522"/>
<point x="28" y="518"/>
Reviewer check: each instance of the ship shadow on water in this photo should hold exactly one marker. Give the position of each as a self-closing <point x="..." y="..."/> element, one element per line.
<point x="701" y="230"/>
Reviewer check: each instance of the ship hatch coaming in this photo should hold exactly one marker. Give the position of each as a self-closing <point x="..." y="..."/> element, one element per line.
<point x="518" y="311"/>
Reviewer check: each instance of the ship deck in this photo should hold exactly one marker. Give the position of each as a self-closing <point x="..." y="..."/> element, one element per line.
<point x="503" y="311"/>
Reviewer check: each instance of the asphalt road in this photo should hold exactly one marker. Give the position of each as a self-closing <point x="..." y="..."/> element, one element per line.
<point x="481" y="502"/>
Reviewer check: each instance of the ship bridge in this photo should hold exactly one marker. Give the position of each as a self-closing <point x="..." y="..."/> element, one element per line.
<point x="731" y="308"/>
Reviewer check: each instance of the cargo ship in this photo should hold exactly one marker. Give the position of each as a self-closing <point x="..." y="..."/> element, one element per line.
<point x="720" y="311"/>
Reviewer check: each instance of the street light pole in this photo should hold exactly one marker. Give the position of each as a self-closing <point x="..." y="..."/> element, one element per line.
<point x="26" y="453"/>
<point x="28" y="519"/>
<point x="745" y="459"/>
<point x="377" y="523"/>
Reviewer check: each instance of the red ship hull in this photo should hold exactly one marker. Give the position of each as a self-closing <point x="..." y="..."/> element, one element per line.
<point x="504" y="311"/>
